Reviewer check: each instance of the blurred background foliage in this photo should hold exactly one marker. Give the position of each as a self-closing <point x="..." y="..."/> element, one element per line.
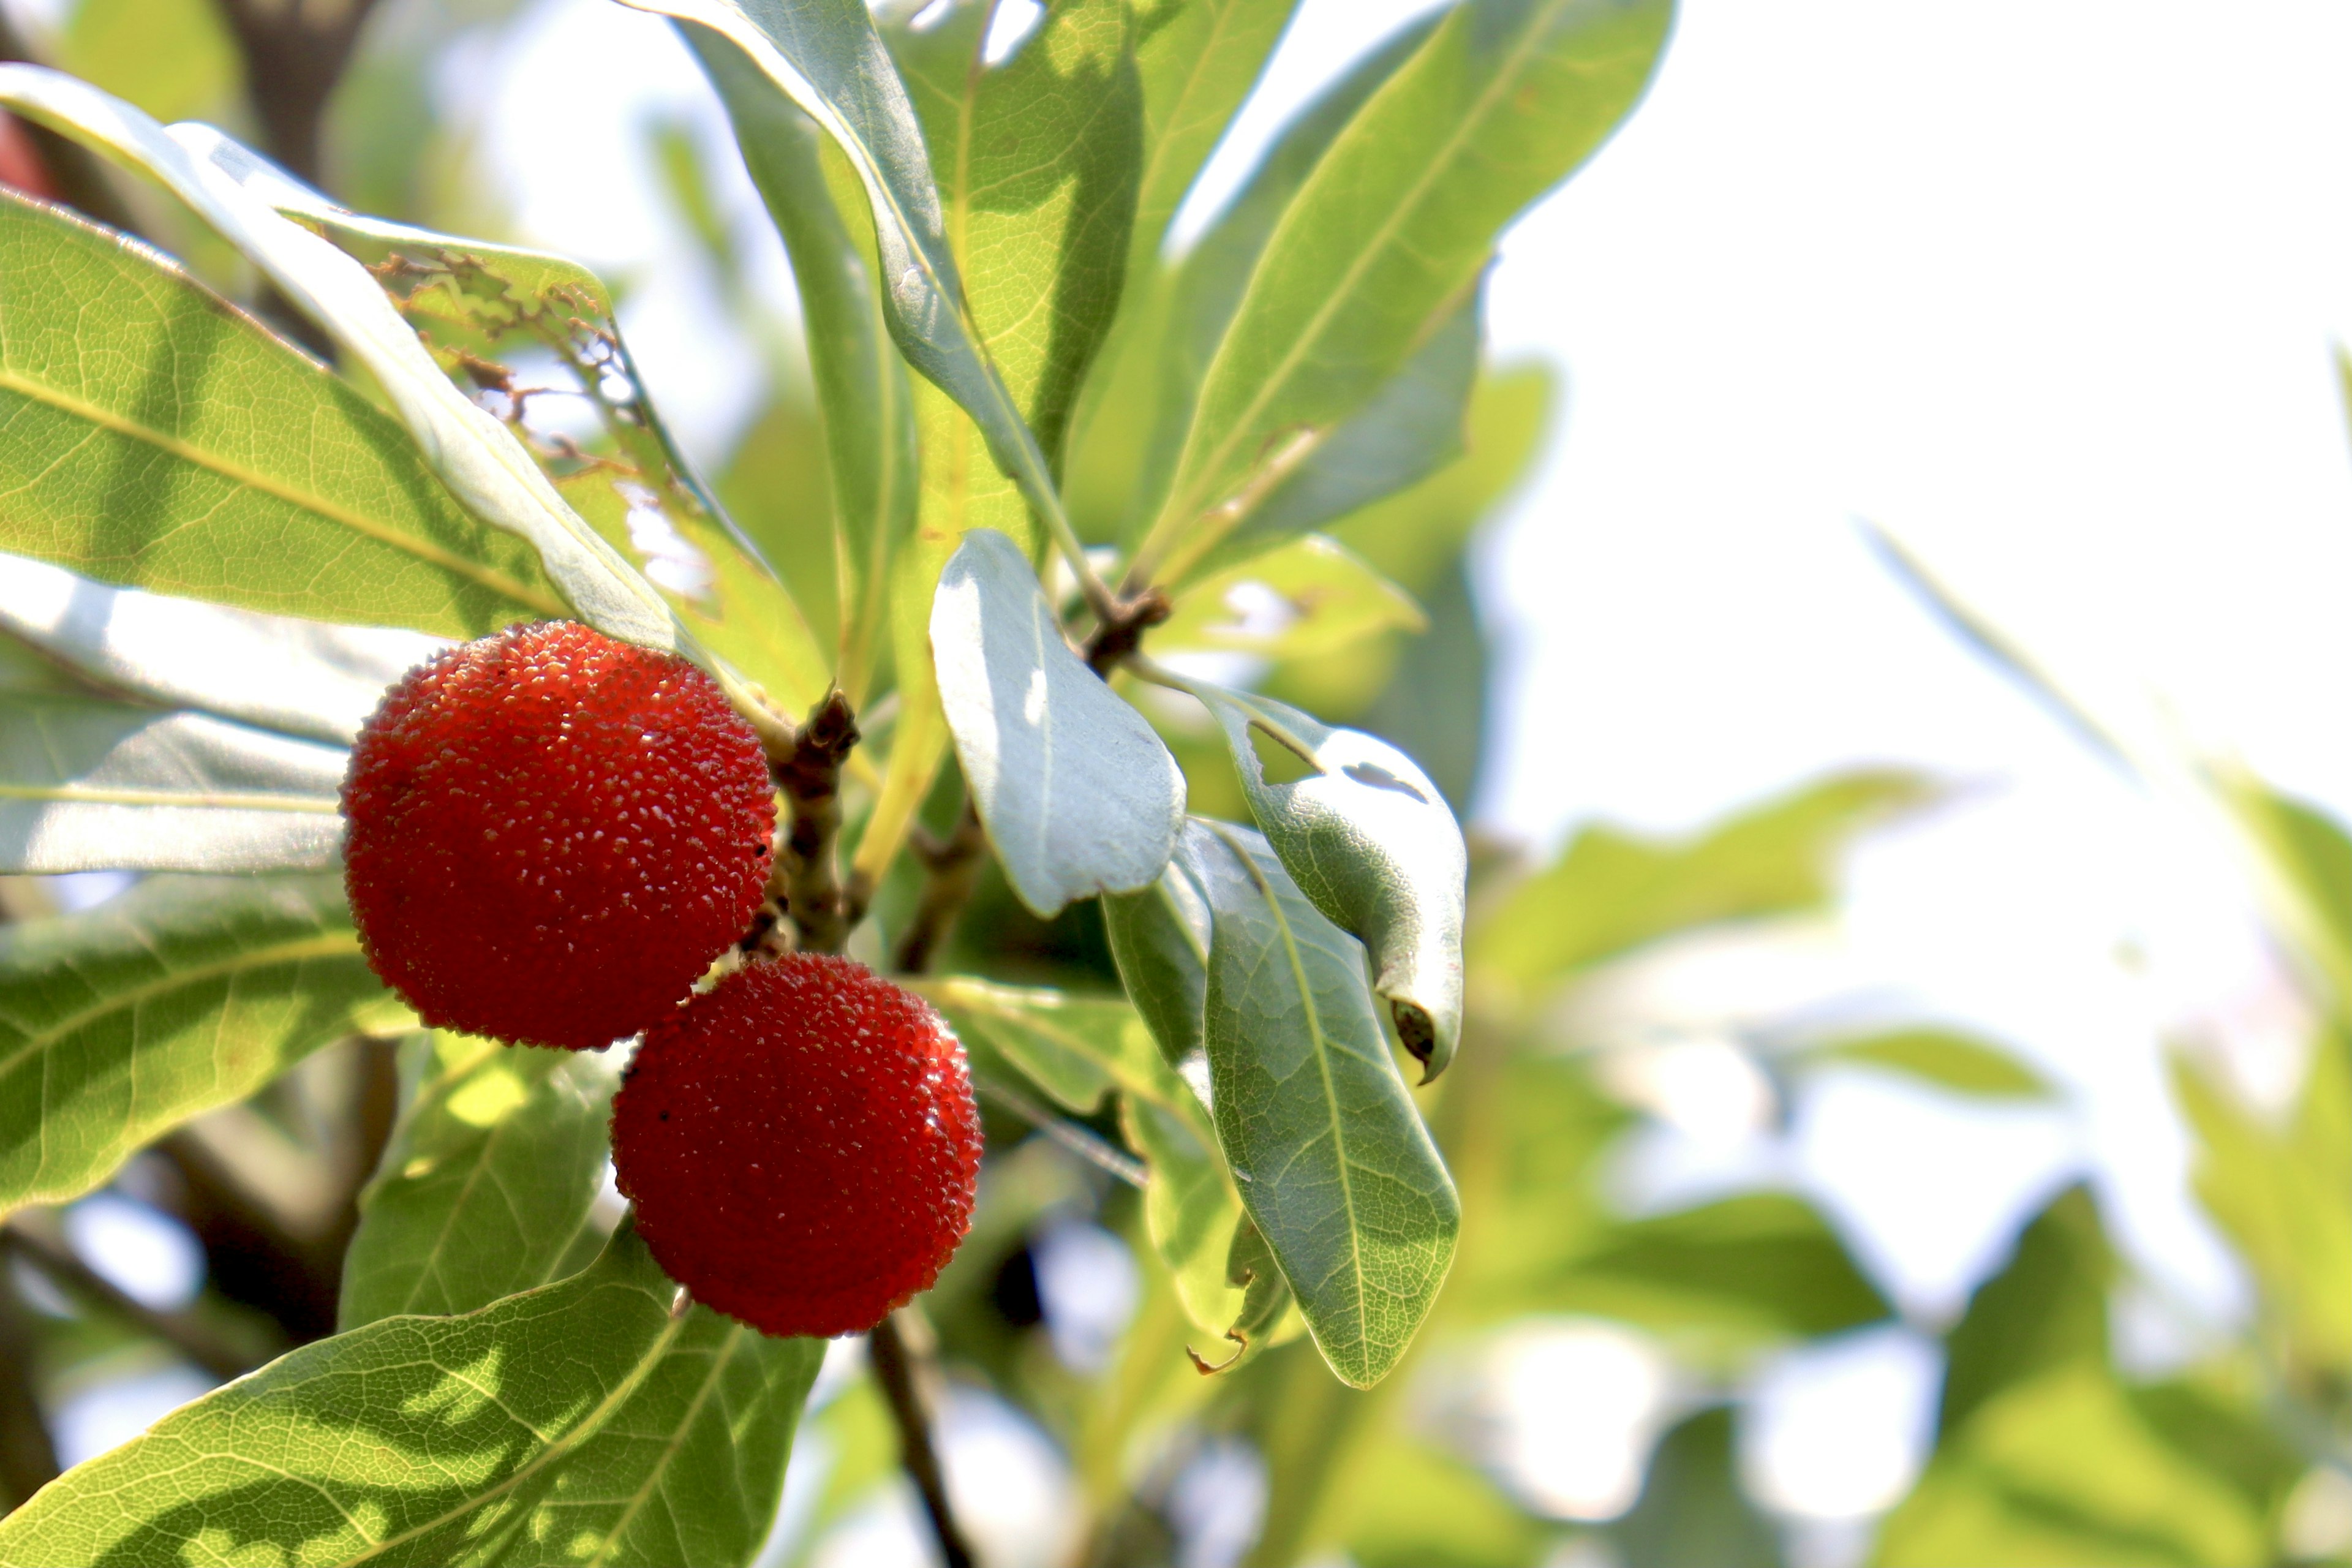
<point x="1590" y="1391"/>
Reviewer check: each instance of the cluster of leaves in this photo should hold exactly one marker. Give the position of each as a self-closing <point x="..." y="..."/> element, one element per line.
<point x="1215" y="925"/>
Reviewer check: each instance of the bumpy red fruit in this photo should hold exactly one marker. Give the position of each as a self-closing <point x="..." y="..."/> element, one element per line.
<point x="552" y="834"/>
<point x="801" y="1145"/>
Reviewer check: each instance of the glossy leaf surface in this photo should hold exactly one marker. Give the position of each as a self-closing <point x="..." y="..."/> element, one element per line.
<point x="582" y="1422"/>
<point x="1079" y="796"/>
<point x="488" y="1187"/>
<point x="1330" y="1155"/>
<point x="1370" y="840"/>
<point x="157" y="437"/>
<point x="184" y="994"/>
<point x="91" y="784"/>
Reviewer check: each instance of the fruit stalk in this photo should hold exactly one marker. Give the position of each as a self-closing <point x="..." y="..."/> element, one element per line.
<point x="810" y="777"/>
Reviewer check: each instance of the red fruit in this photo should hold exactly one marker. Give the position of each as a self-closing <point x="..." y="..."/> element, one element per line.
<point x="552" y="834"/>
<point x="801" y="1145"/>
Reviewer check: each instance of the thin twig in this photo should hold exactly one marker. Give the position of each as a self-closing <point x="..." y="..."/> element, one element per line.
<point x="810" y="777"/>
<point x="1118" y="636"/>
<point x="951" y="869"/>
<point x="1088" y="1146"/>
<point x="183" y="1332"/>
<point x="893" y="1369"/>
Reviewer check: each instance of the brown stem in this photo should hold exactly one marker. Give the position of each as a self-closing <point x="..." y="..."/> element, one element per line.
<point x="295" y="52"/>
<point x="952" y="870"/>
<point x="809" y="778"/>
<point x="1122" y="633"/>
<point x="893" y="1369"/>
<point x="184" y="1333"/>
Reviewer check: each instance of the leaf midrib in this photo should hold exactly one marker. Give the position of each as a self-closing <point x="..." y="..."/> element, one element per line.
<point x="318" y="506"/>
<point x="669" y="1450"/>
<point x="224" y="800"/>
<point x="327" y="944"/>
<point x="1382" y="238"/>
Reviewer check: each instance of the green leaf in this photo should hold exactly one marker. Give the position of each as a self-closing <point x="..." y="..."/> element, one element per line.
<point x="1762" y="1266"/>
<point x="827" y="58"/>
<point x="584" y="1422"/>
<point x="157" y="437"/>
<point x="184" y="994"/>
<point x="1387" y="237"/>
<point x="1370" y="840"/>
<point x="1160" y="939"/>
<point x="1692" y="1511"/>
<point x="1197" y="60"/>
<point x="90" y="785"/>
<point x="1320" y="597"/>
<point x="172" y="58"/>
<point x="2281" y="1188"/>
<point x="868" y="417"/>
<point x="1079" y="796"/>
<point x="1194" y="1217"/>
<point x="1942" y="1057"/>
<point x="1408" y="431"/>
<point x="1612" y="892"/>
<point x="1332" y="1162"/>
<point x="2046" y="1308"/>
<point x="312" y="679"/>
<point x="488" y="1185"/>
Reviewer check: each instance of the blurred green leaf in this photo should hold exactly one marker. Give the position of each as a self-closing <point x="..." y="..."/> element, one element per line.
<point x="2282" y="1191"/>
<point x="2046" y="1308"/>
<point x="1693" y="1512"/>
<point x="1408" y="1504"/>
<point x="1369" y="840"/>
<point x="1078" y="794"/>
<point x="1386" y="239"/>
<point x="1330" y="1157"/>
<point x="1436" y="708"/>
<point x="583" y="1421"/>
<point x="174" y="58"/>
<point x="489" y="1182"/>
<point x="157" y="437"/>
<point x="1612" y="892"/>
<point x="184" y="994"/>
<point x="1939" y="1056"/>
<point x="90" y="785"/>
<point x="1075" y="1048"/>
<point x="1761" y="1265"/>
<point x="1318" y="597"/>
<point x="1193" y="1216"/>
<point x="867" y="412"/>
<point x="2308" y="862"/>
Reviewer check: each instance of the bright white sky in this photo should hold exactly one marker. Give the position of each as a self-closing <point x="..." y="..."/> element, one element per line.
<point x="2049" y="290"/>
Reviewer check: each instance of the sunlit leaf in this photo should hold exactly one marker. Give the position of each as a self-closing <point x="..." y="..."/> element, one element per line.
<point x="1386" y="239"/>
<point x="1079" y="796"/>
<point x="1197" y="60"/>
<point x="91" y="785"/>
<point x="1369" y="839"/>
<point x="1612" y="892"/>
<point x="157" y="437"/>
<point x="490" y="1183"/>
<point x="1312" y="597"/>
<point x="586" y="1421"/>
<point x="184" y="994"/>
<point x="1332" y="1160"/>
<point x="1939" y="1056"/>
<point x="304" y="677"/>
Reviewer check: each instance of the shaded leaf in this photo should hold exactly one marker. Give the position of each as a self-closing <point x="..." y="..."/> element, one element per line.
<point x="490" y="1183"/>
<point x="184" y="994"/>
<point x="1941" y="1058"/>
<point x="1191" y="1213"/>
<point x="1160" y="939"/>
<point x="1610" y="892"/>
<point x="1388" y="236"/>
<point x="1079" y="796"/>
<point x="1370" y="840"/>
<point x="867" y="411"/>
<point x="91" y="784"/>
<point x="305" y="678"/>
<point x="1332" y="1160"/>
<point x="583" y="1421"/>
<point x="1692" y="1511"/>
<point x="157" y="437"/>
<point x="2046" y="1308"/>
<point x="1312" y="597"/>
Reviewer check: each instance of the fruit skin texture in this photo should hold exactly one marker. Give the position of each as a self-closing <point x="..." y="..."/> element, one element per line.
<point x="801" y="1145"/>
<point x="552" y="834"/>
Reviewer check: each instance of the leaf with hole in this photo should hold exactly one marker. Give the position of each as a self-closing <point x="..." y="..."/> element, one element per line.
<point x="121" y="1023"/>
<point x="490" y="1183"/>
<point x="1332" y="1160"/>
<point x="1078" y="794"/>
<point x="91" y="784"/>
<point x="1370" y="840"/>
<point x="584" y="1421"/>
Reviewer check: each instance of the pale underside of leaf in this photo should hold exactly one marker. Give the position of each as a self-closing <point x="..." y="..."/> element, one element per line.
<point x="1077" y="792"/>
